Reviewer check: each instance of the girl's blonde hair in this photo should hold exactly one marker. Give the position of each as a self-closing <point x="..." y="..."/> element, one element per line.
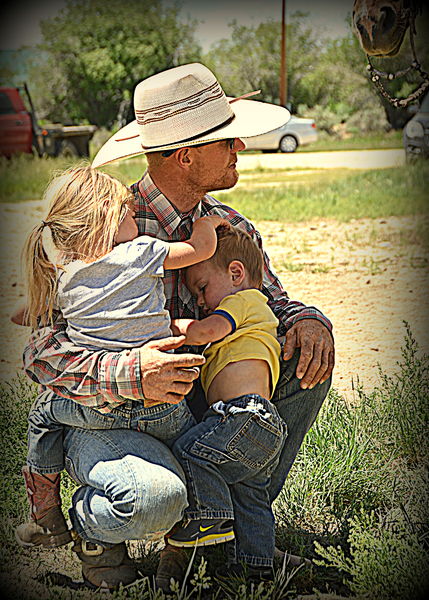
<point x="86" y="207"/>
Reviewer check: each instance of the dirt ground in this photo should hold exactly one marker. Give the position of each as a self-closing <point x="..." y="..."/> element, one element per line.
<point x="368" y="276"/>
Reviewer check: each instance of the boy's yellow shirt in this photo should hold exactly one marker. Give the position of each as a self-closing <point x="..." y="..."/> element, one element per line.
<point x="254" y="336"/>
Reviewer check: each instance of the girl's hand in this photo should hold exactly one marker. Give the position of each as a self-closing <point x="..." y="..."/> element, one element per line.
<point x="211" y="220"/>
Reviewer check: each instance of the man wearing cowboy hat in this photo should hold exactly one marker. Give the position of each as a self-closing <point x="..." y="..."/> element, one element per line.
<point x="132" y="487"/>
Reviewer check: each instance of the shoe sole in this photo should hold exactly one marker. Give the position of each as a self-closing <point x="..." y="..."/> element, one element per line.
<point x="48" y="541"/>
<point x="205" y="540"/>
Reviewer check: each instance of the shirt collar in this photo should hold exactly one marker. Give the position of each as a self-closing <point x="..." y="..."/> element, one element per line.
<point x="166" y="213"/>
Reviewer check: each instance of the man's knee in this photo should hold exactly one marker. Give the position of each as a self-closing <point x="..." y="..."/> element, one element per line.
<point x="132" y="486"/>
<point x="160" y="501"/>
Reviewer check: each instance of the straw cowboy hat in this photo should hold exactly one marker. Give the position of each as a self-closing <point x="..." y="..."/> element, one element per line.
<point x="185" y="106"/>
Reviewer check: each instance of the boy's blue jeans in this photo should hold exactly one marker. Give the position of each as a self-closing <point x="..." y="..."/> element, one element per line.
<point x="228" y="459"/>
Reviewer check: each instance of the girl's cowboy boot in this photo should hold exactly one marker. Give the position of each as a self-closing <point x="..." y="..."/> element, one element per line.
<point x="47" y="526"/>
<point x="104" y="568"/>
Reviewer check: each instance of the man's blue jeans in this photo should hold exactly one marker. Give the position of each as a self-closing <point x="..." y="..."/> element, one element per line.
<point x="298" y="408"/>
<point x="132" y="487"/>
<point x="228" y="459"/>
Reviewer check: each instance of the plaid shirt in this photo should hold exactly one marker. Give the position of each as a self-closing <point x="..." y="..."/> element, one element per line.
<point x="104" y="379"/>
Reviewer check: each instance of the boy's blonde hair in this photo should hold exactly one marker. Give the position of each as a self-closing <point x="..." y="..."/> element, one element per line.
<point x="86" y="207"/>
<point x="235" y="244"/>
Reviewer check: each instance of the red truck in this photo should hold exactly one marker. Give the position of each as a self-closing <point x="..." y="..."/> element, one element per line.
<point x="21" y="132"/>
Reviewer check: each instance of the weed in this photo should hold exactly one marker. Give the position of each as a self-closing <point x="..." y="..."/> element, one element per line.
<point x="290" y="266"/>
<point x="372" y="265"/>
<point x="321" y="268"/>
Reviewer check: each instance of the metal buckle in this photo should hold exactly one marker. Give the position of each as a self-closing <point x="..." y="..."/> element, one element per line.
<point x="91" y="549"/>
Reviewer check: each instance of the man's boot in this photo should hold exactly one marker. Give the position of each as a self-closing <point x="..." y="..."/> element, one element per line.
<point x="47" y="526"/>
<point x="173" y="563"/>
<point x="105" y="568"/>
<point x="291" y="560"/>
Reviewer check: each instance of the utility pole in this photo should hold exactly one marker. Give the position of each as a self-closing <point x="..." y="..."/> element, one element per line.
<point x="283" y="64"/>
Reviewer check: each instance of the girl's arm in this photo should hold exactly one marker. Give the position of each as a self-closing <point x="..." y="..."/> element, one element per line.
<point x="199" y="333"/>
<point x="200" y="246"/>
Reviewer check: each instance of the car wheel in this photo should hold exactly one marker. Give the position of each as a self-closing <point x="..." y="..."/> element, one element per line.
<point x="288" y="144"/>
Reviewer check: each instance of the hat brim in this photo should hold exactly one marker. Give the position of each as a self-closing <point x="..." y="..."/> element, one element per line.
<point x="251" y="118"/>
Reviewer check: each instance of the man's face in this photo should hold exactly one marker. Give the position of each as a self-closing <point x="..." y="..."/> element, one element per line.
<point x="214" y="165"/>
<point x="209" y="284"/>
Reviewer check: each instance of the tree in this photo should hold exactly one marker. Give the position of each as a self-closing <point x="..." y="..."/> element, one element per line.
<point x="250" y="59"/>
<point x="98" y="51"/>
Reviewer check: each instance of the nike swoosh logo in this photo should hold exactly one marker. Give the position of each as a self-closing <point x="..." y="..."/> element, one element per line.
<point x="203" y="529"/>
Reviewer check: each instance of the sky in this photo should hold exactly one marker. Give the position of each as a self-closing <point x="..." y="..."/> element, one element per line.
<point x="19" y="22"/>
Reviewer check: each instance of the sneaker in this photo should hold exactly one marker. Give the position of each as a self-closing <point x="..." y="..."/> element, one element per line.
<point x="204" y="532"/>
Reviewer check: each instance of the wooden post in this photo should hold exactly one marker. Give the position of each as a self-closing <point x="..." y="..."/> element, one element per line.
<point x="283" y="64"/>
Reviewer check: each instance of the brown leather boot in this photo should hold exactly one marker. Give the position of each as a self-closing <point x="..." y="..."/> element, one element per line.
<point x="173" y="562"/>
<point x="292" y="560"/>
<point x="105" y="568"/>
<point x="47" y="526"/>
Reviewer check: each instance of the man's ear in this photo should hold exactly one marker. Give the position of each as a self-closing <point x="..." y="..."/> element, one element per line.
<point x="183" y="157"/>
<point x="237" y="272"/>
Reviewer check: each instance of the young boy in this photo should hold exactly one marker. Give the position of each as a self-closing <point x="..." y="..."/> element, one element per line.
<point x="229" y="456"/>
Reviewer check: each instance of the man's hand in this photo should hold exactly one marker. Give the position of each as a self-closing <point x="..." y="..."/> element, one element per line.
<point x="317" y="351"/>
<point x="167" y="377"/>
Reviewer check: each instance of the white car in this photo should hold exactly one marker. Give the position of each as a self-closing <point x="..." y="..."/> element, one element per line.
<point x="296" y="132"/>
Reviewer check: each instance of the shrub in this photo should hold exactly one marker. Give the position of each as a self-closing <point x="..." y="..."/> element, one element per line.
<point x="386" y="555"/>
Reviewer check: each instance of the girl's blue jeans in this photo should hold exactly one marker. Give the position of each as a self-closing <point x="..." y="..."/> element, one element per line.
<point x="228" y="459"/>
<point x="132" y="486"/>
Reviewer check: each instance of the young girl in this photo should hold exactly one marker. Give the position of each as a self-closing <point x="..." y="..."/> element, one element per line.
<point x="107" y="282"/>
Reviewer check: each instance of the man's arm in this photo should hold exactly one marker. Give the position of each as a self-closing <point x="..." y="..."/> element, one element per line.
<point x="79" y="374"/>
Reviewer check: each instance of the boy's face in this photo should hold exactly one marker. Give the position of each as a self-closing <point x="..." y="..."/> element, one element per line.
<point x="209" y="284"/>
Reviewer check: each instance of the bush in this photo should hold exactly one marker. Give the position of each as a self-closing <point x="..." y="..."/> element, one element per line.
<point x="368" y="120"/>
<point x="386" y="555"/>
<point x="326" y="119"/>
<point x="387" y="560"/>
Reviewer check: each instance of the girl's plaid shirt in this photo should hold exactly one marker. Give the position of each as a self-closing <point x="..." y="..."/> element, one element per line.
<point x="104" y="379"/>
